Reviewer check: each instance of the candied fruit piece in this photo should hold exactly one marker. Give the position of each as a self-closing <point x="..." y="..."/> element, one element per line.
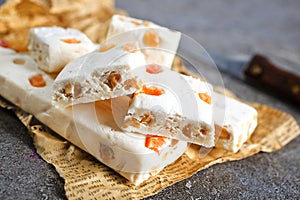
<point x="121" y="18"/>
<point x="4" y="43"/>
<point x="151" y="38"/>
<point x="154" y="142"/>
<point x="135" y="22"/>
<point x="154" y="69"/>
<point x="129" y="47"/>
<point x="152" y="90"/>
<point x="147" y="23"/>
<point x="205" y="97"/>
<point x="37" y="81"/>
<point x="17" y="45"/>
<point x="71" y="40"/>
<point x="106" y="47"/>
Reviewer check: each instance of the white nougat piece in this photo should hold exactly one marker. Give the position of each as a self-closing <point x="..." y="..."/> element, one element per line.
<point x="53" y="47"/>
<point x="120" y="24"/>
<point x="89" y="126"/>
<point x="158" y="43"/>
<point x="177" y="112"/>
<point x="102" y="74"/>
<point x="234" y="121"/>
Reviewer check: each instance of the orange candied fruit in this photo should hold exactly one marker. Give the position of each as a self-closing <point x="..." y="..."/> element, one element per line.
<point x="154" y="69"/>
<point x="130" y="47"/>
<point x="17" y="45"/>
<point x="104" y="48"/>
<point x="151" y="38"/>
<point x="121" y="18"/>
<point x="37" y="81"/>
<point x="71" y="40"/>
<point x="135" y="22"/>
<point x="4" y="43"/>
<point x="205" y="97"/>
<point x="152" y="90"/>
<point x="154" y="142"/>
<point x="146" y="23"/>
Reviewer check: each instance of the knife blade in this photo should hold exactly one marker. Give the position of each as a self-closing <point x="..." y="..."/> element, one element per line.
<point x="257" y="70"/>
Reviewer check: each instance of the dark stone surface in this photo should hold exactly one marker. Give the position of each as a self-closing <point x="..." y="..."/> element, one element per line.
<point x="231" y="27"/>
<point x="23" y="174"/>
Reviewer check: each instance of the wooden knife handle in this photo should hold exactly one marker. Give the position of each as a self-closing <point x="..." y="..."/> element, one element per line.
<point x="286" y="84"/>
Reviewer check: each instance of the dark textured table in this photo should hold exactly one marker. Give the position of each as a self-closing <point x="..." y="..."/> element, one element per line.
<point x="230" y="28"/>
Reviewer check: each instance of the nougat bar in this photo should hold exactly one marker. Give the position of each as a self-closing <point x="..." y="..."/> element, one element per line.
<point x="180" y="108"/>
<point x="235" y="121"/>
<point x="158" y="43"/>
<point x="100" y="75"/>
<point x="53" y="47"/>
<point x="89" y="126"/>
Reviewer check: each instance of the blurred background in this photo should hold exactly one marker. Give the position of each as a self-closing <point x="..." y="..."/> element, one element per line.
<point x="231" y="27"/>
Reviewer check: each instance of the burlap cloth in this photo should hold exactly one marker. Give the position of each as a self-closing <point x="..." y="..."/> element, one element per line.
<point x="87" y="178"/>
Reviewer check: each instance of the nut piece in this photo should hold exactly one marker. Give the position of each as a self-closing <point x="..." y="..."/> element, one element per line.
<point x="74" y="91"/>
<point x="148" y="119"/>
<point x="19" y="61"/>
<point x="131" y="83"/>
<point x="204" y="131"/>
<point x="113" y="79"/>
<point x="224" y="134"/>
<point x="173" y="143"/>
<point x="132" y="122"/>
<point x="187" y="130"/>
<point x="67" y="90"/>
<point x="77" y="90"/>
<point x="106" y="153"/>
